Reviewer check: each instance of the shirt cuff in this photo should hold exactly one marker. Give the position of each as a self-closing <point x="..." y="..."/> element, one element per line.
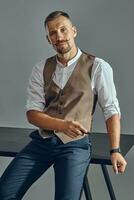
<point x="34" y="106"/>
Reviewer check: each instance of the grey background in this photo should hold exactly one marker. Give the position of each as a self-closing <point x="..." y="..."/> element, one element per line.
<point x="105" y="28"/>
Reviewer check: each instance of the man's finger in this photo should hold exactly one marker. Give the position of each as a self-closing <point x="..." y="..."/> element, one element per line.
<point x="121" y="168"/>
<point x="115" y="167"/>
<point x="80" y="127"/>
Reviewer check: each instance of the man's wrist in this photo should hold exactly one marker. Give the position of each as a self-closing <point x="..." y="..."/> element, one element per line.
<point x="115" y="150"/>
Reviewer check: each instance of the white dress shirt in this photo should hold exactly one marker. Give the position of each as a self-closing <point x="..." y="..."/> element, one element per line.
<point x="101" y="82"/>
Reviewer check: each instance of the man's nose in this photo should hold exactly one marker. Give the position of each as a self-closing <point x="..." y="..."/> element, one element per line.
<point x="59" y="36"/>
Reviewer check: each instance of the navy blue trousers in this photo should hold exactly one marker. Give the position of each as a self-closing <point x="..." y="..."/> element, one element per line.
<point x="70" y="162"/>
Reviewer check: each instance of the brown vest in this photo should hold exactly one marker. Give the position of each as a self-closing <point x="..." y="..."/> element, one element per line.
<point x="75" y="101"/>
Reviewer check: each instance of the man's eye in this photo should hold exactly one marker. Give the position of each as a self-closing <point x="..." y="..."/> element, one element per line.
<point x="52" y="33"/>
<point x="63" y="30"/>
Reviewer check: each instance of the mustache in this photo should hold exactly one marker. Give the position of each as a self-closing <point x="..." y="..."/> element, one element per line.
<point x="61" y="41"/>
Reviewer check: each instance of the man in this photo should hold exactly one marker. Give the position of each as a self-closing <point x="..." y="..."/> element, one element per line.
<point x="62" y="94"/>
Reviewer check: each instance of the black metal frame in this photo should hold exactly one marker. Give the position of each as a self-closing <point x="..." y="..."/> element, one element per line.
<point x="86" y="186"/>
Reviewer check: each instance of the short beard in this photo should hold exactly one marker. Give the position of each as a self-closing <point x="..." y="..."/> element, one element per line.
<point x="63" y="50"/>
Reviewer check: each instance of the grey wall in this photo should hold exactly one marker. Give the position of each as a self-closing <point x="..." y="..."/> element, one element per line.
<point x="105" y="28"/>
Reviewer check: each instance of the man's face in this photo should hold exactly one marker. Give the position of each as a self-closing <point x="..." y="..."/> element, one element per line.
<point x="61" y="34"/>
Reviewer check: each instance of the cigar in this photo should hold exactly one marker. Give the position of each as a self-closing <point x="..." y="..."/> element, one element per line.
<point x="86" y="132"/>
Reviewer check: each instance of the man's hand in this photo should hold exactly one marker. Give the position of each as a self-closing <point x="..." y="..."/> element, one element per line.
<point x="118" y="162"/>
<point x="73" y="129"/>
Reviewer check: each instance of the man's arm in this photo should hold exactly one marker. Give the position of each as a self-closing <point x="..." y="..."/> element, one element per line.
<point x="105" y="89"/>
<point x="113" y="129"/>
<point x="44" y="121"/>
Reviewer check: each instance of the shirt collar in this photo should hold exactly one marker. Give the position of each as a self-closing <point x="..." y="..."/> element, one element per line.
<point x="70" y="62"/>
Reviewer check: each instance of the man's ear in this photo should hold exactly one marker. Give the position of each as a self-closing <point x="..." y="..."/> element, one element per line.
<point x="74" y="30"/>
<point x="48" y="39"/>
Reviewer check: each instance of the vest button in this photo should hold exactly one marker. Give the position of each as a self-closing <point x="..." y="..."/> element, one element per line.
<point x="62" y="93"/>
<point x="61" y="103"/>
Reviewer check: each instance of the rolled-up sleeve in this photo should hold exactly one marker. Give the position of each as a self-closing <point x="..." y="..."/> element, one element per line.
<point x="35" y="89"/>
<point x="105" y="89"/>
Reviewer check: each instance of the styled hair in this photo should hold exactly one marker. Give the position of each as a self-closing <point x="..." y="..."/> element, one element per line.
<point x="55" y="14"/>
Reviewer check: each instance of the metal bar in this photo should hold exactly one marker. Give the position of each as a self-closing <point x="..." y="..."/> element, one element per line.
<point x="108" y="182"/>
<point x="87" y="189"/>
